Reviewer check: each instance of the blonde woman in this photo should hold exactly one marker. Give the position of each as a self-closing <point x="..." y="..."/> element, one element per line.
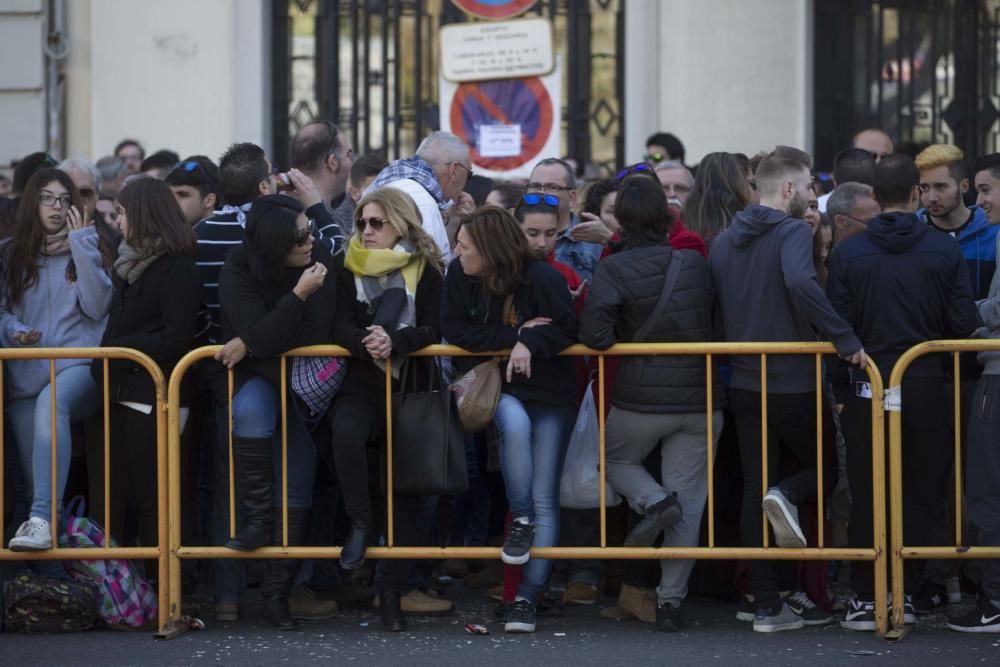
<point x="388" y="303"/>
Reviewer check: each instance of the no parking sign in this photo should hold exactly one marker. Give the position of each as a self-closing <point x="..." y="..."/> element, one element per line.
<point x="509" y="124"/>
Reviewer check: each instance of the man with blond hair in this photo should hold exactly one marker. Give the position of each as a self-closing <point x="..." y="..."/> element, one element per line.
<point x="944" y="181"/>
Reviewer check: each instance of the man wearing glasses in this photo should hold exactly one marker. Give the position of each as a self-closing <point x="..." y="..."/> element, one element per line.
<point x="578" y="244"/>
<point x="434" y="179"/>
<point x="850" y="206"/>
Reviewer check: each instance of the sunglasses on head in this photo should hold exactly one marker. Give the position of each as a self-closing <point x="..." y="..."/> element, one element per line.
<point x="192" y="165"/>
<point x="637" y="168"/>
<point x="655" y="157"/>
<point x="534" y="199"/>
<point x="375" y="223"/>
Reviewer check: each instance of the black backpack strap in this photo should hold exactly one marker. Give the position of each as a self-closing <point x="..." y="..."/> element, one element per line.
<point x="669" y="283"/>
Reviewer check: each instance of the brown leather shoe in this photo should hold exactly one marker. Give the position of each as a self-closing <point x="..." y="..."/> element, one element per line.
<point x="305" y="606"/>
<point x="638" y="603"/>
<point x="418" y="603"/>
<point x="580" y="593"/>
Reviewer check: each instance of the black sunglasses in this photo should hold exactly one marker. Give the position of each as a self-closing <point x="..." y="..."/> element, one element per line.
<point x="637" y="168"/>
<point x="303" y="235"/>
<point x="375" y="223"/>
<point x="534" y="199"/>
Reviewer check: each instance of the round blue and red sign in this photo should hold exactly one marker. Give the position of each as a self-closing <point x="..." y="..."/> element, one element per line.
<point x="494" y="9"/>
<point x="523" y="102"/>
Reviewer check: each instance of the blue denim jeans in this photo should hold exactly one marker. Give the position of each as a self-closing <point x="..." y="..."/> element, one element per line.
<point x="257" y="414"/>
<point x="77" y="398"/>
<point x="533" y="439"/>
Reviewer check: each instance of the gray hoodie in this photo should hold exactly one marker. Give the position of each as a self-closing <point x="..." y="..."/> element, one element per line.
<point x="766" y="291"/>
<point x="68" y="314"/>
<point x="989" y="313"/>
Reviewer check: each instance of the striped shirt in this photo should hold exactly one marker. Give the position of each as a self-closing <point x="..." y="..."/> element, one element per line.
<point x="219" y="235"/>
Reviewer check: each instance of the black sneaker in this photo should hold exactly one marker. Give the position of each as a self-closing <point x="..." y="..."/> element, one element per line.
<point x="659" y="516"/>
<point x="799" y="602"/>
<point x="984" y="617"/>
<point x="520" y="616"/>
<point x="929" y="597"/>
<point x="668" y="617"/>
<point x="747" y="608"/>
<point x="517" y="546"/>
<point x="859" y="615"/>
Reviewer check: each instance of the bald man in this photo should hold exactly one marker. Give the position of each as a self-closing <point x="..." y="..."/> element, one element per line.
<point x="875" y="141"/>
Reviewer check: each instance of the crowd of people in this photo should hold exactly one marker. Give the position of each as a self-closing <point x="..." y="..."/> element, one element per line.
<point x="165" y="255"/>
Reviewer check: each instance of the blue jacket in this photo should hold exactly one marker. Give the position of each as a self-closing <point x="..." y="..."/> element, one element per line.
<point x="978" y="242"/>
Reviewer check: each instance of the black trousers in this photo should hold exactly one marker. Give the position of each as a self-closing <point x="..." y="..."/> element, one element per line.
<point x="355" y="422"/>
<point x="927" y="457"/>
<point x="791" y="466"/>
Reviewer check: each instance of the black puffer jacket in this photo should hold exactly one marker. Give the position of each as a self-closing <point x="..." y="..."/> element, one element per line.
<point x="621" y="298"/>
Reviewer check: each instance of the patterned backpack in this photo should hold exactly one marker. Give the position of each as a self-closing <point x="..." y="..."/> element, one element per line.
<point x="124" y="597"/>
<point x="44" y="604"/>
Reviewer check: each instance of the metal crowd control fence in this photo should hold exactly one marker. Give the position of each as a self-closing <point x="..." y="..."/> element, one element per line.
<point x="157" y="551"/>
<point x="710" y="351"/>
<point x="894" y="405"/>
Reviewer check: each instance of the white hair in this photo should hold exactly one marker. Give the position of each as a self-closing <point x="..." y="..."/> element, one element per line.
<point x="443" y="147"/>
<point x="82" y="165"/>
<point x="674" y="164"/>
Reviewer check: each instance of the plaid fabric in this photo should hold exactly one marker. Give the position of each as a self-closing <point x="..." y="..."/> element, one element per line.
<point x="416" y="169"/>
<point x="315" y="380"/>
<point x="123" y="596"/>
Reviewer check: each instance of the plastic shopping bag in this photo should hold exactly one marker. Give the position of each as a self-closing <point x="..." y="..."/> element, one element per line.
<point x="580" y="484"/>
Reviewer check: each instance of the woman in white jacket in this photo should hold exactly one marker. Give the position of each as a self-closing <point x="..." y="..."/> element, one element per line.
<point x="56" y="292"/>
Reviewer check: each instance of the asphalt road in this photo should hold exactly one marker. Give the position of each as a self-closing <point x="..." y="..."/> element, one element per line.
<point x="712" y="636"/>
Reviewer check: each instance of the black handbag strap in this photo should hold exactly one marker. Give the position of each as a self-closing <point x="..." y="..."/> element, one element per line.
<point x="669" y="283"/>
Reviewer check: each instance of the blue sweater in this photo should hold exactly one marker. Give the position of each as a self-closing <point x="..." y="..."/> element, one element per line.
<point x="68" y="314"/>
<point x="978" y="242"/>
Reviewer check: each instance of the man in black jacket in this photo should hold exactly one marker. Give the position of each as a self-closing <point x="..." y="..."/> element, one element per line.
<point x="766" y="290"/>
<point x="898" y="284"/>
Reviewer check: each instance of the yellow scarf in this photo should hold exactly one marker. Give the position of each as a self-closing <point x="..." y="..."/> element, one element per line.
<point x="367" y="263"/>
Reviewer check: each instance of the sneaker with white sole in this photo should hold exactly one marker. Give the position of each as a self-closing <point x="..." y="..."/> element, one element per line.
<point x="859" y="615"/>
<point x="520" y="617"/>
<point x="784" y="519"/>
<point x="799" y="602"/>
<point x="33" y="535"/>
<point x="984" y="617"/>
<point x="517" y="547"/>
<point x="746" y="610"/>
<point x="777" y="619"/>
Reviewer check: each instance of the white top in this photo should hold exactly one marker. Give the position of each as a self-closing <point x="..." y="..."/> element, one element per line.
<point x="821" y="201"/>
<point x="432" y="221"/>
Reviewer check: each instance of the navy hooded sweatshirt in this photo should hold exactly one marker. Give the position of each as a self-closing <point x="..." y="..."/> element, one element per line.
<point x="901" y="283"/>
<point x="766" y="291"/>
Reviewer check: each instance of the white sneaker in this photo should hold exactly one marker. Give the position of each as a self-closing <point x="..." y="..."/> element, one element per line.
<point x="33" y="535"/>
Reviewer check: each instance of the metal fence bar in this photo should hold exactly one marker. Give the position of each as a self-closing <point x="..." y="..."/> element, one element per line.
<point x="54" y="513"/>
<point x="763" y="444"/>
<point x="876" y="553"/>
<point x="820" y="404"/>
<point x="710" y="437"/>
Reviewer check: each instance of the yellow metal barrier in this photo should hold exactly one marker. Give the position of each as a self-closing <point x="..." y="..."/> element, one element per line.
<point x="894" y="405"/>
<point x="107" y="354"/>
<point x="710" y="351"/>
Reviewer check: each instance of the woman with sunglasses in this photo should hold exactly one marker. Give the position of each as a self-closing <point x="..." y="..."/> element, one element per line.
<point x="537" y="406"/>
<point x="650" y="292"/>
<point x="276" y="296"/>
<point x="388" y="305"/>
<point x="56" y="292"/>
<point x="154" y="310"/>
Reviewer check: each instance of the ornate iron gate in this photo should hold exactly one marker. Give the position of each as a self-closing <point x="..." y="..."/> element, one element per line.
<point x="371" y="66"/>
<point x="923" y="70"/>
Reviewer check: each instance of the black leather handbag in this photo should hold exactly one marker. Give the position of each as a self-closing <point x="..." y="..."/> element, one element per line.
<point x="428" y="442"/>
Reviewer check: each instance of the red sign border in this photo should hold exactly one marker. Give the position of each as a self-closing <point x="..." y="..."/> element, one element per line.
<point x="483" y="11"/>
<point x="530" y="149"/>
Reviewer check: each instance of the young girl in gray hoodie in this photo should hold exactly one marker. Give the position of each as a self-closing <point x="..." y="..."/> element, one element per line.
<point x="56" y="292"/>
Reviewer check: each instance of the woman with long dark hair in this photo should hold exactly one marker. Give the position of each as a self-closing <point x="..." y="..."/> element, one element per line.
<point x="721" y="189"/>
<point x="276" y="296"/>
<point x="157" y="295"/>
<point x="649" y="293"/>
<point x="389" y="301"/>
<point x="56" y="291"/>
<point x="537" y="406"/>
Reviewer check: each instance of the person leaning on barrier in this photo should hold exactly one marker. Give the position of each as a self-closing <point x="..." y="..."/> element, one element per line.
<point x="898" y="284"/>
<point x="657" y="400"/>
<point x="982" y="459"/>
<point x="537" y="406"/>
<point x="154" y="310"/>
<point x="766" y="290"/>
<point x="388" y="305"/>
<point x="56" y="292"/>
<point x="276" y="295"/>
